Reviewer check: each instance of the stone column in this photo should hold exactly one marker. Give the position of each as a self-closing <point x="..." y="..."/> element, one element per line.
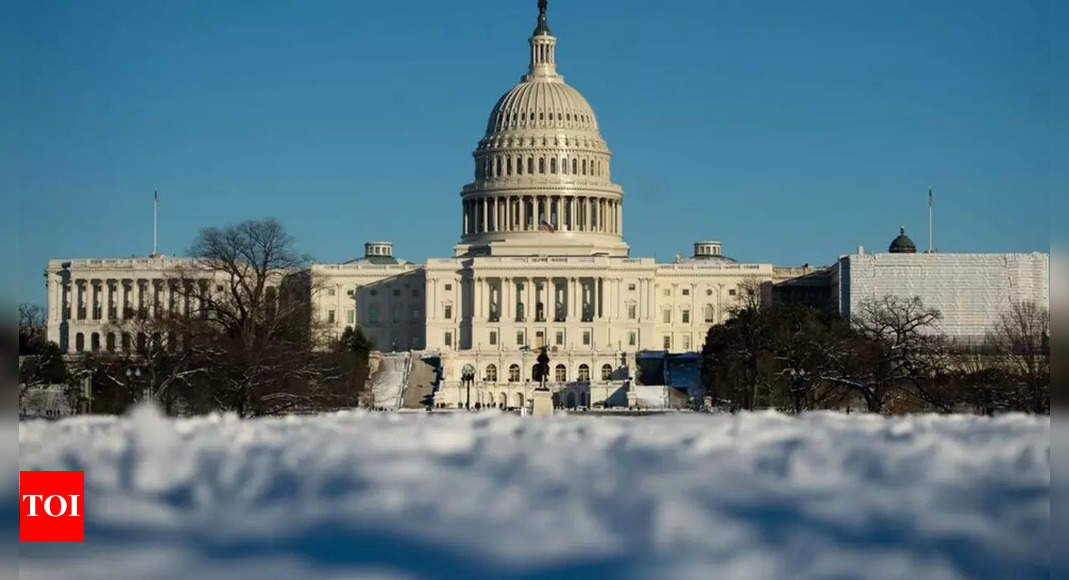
<point x="528" y="308"/>
<point x="485" y="220"/>
<point x="108" y="299"/>
<point x="643" y="292"/>
<point x="506" y="306"/>
<point x="476" y="301"/>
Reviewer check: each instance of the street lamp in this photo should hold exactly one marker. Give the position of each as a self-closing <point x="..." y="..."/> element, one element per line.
<point x="134" y="373"/>
<point x="467" y="377"/>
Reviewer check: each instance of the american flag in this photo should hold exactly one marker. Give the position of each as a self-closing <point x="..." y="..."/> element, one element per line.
<point x="930" y="199"/>
<point x="545" y="226"/>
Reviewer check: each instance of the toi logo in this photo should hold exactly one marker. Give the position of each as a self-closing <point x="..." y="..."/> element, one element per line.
<point x="51" y="506"/>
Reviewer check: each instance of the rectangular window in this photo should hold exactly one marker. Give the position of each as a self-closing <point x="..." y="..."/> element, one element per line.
<point x="686" y="316"/>
<point x="731" y="292"/>
<point x="330" y="317"/>
<point x="667" y="342"/>
<point x="350" y="292"/>
<point x="667" y="291"/>
<point x="417" y="314"/>
<point x="631" y="287"/>
<point x="560" y="338"/>
<point x="448" y="310"/>
<point x="586" y="338"/>
<point x="667" y="316"/>
<point x="448" y="287"/>
<point x="330" y="292"/>
<point x="448" y="338"/>
<point x="493" y="338"/>
<point x="519" y="338"/>
<point x="632" y="311"/>
<point x="632" y="338"/>
<point x="350" y="316"/>
<point x="686" y="291"/>
<point x="686" y="342"/>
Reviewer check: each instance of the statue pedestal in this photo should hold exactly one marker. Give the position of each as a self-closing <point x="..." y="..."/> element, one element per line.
<point x="543" y="402"/>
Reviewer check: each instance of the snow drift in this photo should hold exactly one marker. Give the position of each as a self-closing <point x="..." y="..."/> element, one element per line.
<point x="488" y="495"/>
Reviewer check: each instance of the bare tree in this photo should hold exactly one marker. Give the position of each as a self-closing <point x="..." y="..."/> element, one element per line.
<point x="31" y="329"/>
<point x="248" y="295"/>
<point x="1021" y="337"/>
<point x="900" y="352"/>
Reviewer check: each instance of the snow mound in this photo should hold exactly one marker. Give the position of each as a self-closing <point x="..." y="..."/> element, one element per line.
<point x="488" y="495"/>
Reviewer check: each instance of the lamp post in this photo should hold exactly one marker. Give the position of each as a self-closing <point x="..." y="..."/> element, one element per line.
<point x="467" y="377"/>
<point x="134" y="373"/>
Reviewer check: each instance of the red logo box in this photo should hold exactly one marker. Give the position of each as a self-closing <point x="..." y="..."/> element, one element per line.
<point x="51" y="506"/>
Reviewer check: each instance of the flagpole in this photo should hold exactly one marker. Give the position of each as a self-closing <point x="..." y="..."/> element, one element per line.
<point x="930" y="204"/>
<point x="155" y="219"/>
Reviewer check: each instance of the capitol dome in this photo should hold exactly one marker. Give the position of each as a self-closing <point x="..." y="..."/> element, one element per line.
<point x="542" y="177"/>
<point x="542" y="103"/>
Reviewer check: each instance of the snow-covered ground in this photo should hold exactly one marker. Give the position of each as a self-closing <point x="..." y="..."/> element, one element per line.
<point x="490" y="495"/>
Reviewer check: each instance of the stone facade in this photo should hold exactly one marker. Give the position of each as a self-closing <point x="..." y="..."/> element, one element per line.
<point x="88" y="300"/>
<point x="970" y="290"/>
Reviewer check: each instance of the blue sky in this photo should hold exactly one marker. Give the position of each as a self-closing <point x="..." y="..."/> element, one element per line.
<point x="791" y="131"/>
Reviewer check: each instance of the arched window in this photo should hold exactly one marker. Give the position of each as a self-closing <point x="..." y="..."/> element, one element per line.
<point x="491" y="373"/>
<point x="584" y="373"/>
<point x="514" y="373"/>
<point x="498" y="163"/>
<point x="584" y="166"/>
<point x="560" y="374"/>
<point x="79" y="342"/>
<point x="519" y="166"/>
<point x="530" y="165"/>
<point x="94" y="342"/>
<point x="575" y="166"/>
<point x="709" y="313"/>
<point x="542" y="165"/>
<point x="553" y="165"/>
<point x="564" y="166"/>
<point x="508" y="166"/>
<point x="606" y="372"/>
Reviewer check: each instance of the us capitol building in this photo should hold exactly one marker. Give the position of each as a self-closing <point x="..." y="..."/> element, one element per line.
<point x="541" y="263"/>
